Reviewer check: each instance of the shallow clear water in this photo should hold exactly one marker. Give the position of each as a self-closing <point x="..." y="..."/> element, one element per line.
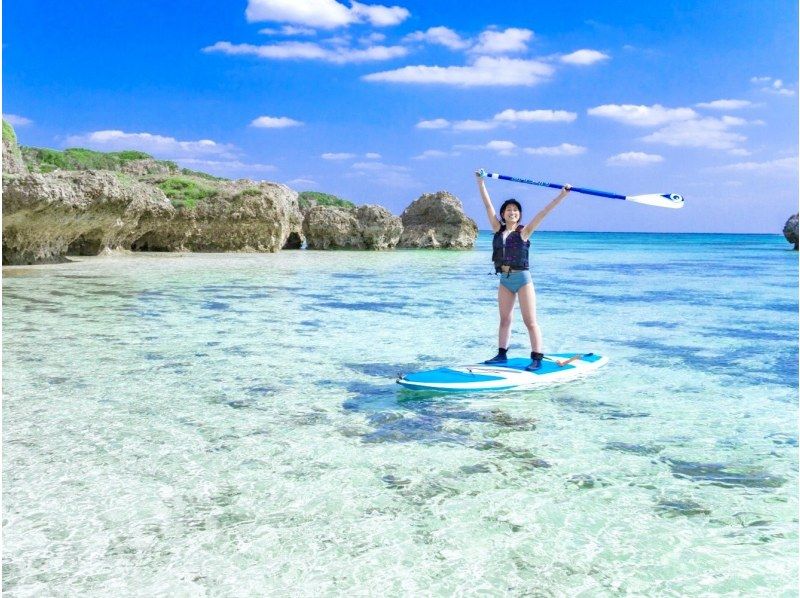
<point x="226" y="425"/>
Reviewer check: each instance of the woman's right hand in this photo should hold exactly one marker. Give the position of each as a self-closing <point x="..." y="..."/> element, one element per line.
<point x="480" y="174"/>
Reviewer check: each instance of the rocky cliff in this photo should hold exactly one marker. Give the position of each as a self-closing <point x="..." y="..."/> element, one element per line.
<point x="12" y="156"/>
<point x="237" y="216"/>
<point x="82" y="202"/>
<point x="46" y="216"/>
<point x="437" y="220"/>
<point x="365" y="227"/>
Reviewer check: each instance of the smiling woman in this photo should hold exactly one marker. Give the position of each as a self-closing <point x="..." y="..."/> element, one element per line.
<point x="510" y="255"/>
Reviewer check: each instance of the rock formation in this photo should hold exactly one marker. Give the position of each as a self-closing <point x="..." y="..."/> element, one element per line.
<point x="437" y="220"/>
<point x="365" y="227"/>
<point x="79" y="201"/>
<point x="46" y="216"/>
<point x="12" y="156"/>
<point x="790" y="230"/>
<point x="241" y="216"/>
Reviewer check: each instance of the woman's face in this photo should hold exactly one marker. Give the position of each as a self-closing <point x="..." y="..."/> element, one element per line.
<point x="511" y="213"/>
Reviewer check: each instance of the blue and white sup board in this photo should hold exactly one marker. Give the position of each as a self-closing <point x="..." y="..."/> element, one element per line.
<point x="556" y="368"/>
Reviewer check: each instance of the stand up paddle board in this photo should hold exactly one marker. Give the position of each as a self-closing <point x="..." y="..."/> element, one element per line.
<point x="556" y="368"/>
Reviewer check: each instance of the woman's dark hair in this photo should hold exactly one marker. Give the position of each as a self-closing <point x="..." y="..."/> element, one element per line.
<point x="509" y="202"/>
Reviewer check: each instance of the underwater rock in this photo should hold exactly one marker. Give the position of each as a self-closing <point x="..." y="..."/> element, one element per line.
<point x="678" y="507"/>
<point x="721" y="475"/>
<point x="437" y="221"/>
<point x="635" y="449"/>
<point x="790" y="230"/>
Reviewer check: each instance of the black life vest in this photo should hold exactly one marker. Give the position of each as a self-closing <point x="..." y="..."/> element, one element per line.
<point x="513" y="253"/>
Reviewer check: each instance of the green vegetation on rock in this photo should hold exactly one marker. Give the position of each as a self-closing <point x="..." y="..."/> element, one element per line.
<point x="202" y="175"/>
<point x="312" y="198"/>
<point x="77" y="158"/>
<point x="185" y="193"/>
<point x="8" y="132"/>
<point x="249" y="192"/>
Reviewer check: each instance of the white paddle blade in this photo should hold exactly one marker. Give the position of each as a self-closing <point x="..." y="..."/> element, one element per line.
<point x="663" y="200"/>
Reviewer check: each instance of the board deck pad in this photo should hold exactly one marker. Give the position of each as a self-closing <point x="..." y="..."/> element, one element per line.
<point x="507" y="376"/>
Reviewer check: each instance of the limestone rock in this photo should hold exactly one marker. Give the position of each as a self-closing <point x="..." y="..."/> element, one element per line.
<point x="790" y="230"/>
<point x="148" y="166"/>
<point x="437" y="220"/>
<point x="46" y="216"/>
<point x="12" y="156"/>
<point x="242" y="216"/>
<point x="378" y="227"/>
<point x="365" y="227"/>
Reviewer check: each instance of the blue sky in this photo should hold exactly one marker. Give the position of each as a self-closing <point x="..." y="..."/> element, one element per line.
<point x="379" y="103"/>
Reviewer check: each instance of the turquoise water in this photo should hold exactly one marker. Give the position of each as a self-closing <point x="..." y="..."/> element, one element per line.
<point x="229" y="425"/>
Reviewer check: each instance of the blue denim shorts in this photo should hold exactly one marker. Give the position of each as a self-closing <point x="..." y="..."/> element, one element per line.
<point x="514" y="281"/>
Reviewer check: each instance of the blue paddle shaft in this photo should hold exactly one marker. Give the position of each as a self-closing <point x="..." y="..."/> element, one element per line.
<point x="556" y="186"/>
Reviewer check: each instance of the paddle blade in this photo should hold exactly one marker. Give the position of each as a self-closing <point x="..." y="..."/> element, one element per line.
<point x="663" y="200"/>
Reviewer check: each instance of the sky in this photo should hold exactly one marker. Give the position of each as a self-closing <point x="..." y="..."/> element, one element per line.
<point x="380" y="103"/>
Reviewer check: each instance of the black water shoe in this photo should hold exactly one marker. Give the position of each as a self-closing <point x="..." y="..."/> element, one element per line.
<point x="501" y="357"/>
<point x="536" y="361"/>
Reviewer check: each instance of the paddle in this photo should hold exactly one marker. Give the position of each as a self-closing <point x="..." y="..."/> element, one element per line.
<point x="659" y="200"/>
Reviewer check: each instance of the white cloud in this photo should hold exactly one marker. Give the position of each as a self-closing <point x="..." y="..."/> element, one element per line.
<point x="504" y="148"/>
<point x="275" y="122"/>
<point x="507" y="117"/>
<point x="337" y="156"/>
<point x="16" y="120"/>
<point x="157" y="145"/>
<point x="712" y="133"/>
<point x="436" y="123"/>
<point x="642" y="116"/>
<point x="485" y="71"/>
<point x="386" y="175"/>
<point x="778" y="87"/>
<point x="772" y="166"/>
<point x="427" y="154"/>
<point x="634" y="159"/>
<point x="474" y="125"/>
<point x="565" y="149"/>
<point x="775" y="86"/>
<point x="442" y="36"/>
<point x="375" y="166"/>
<point x="378" y="15"/>
<point x="725" y="104"/>
<point x="739" y="152"/>
<point x="372" y="156"/>
<point x="584" y="57"/>
<point x="226" y="168"/>
<point x="288" y="30"/>
<point x="510" y="40"/>
<point x="302" y="182"/>
<point x="324" y="14"/>
<point x="310" y="51"/>
<point x="510" y="115"/>
<point x="372" y="38"/>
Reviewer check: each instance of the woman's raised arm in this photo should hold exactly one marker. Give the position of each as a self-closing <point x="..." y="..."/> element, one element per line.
<point x="480" y="175"/>
<point x="534" y="224"/>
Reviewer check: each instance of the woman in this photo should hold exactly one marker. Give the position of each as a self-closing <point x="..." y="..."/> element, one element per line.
<point x="510" y="256"/>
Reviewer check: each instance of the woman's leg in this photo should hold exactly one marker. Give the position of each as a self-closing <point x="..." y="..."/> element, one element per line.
<point x="527" y="304"/>
<point x="505" y="301"/>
